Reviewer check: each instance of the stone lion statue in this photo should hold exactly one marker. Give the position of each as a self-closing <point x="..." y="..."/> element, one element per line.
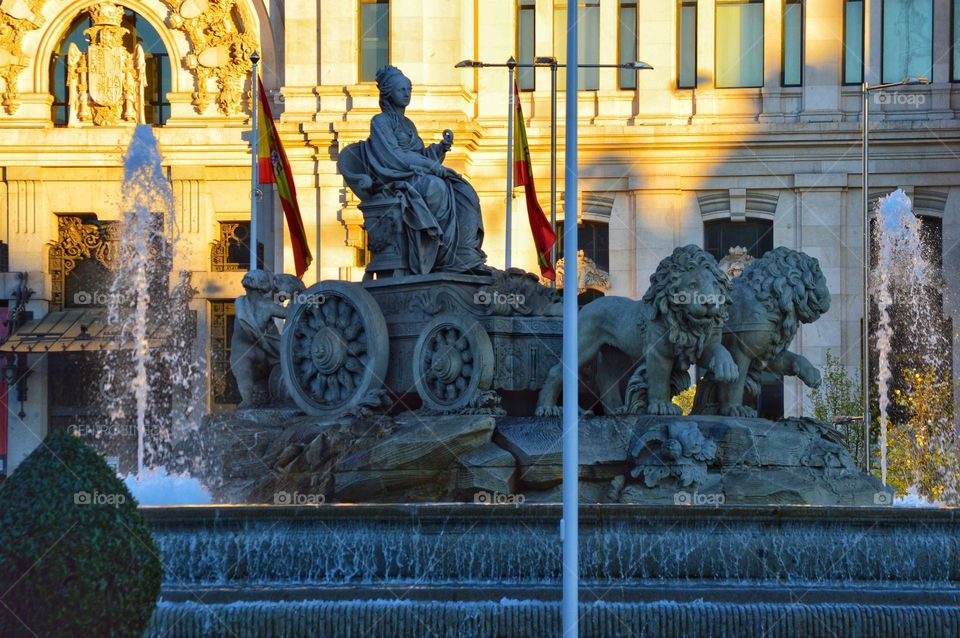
<point x="677" y="324"/>
<point x="773" y="296"/>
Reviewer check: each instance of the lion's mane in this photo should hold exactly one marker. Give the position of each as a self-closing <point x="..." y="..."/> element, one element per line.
<point x="785" y="283"/>
<point x="665" y="294"/>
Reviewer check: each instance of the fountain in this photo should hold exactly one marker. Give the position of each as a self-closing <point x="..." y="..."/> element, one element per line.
<point x="324" y="420"/>
<point x="905" y="285"/>
<point x="151" y="376"/>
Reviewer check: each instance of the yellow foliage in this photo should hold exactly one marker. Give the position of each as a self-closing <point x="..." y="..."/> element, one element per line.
<point x="685" y="399"/>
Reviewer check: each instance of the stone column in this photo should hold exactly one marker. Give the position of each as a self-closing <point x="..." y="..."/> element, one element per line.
<point x="301" y="44"/>
<point x="772" y="110"/>
<point x="192" y="253"/>
<point x="939" y="93"/>
<point x="339" y="55"/>
<point x="824" y="231"/>
<point x="658" y="45"/>
<point x="823" y="63"/>
<point x="28" y="234"/>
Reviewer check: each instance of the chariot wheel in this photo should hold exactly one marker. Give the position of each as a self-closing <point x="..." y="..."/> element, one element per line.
<point x="452" y="362"/>
<point x="334" y="348"/>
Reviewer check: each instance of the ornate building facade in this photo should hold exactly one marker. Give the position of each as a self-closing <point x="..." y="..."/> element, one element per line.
<point x="745" y="134"/>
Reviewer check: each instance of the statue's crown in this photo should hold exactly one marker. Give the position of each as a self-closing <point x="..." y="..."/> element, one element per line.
<point x="106" y="14"/>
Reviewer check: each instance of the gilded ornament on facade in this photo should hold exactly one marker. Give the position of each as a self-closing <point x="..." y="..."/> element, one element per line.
<point x="17" y="17"/>
<point x="79" y="239"/>
<point x="107" y="84"/>
<point x="735" y="261"/>
<point x="217" y="30"/>
<point x="589" y="275"/>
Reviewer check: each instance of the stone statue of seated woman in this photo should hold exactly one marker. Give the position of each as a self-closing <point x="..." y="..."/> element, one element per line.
<point x="414" y="206"/>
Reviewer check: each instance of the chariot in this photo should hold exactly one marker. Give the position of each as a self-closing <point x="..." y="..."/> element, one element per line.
<point x="458" y="341"/>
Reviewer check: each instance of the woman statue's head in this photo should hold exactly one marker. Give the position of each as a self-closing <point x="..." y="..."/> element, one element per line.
<point x="394" y="87"/>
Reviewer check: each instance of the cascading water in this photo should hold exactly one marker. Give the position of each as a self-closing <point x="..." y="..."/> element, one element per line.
<point x="902" y="284"/>
<point x="152" y="375"/>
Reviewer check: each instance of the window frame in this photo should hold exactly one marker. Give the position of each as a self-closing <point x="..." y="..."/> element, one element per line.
<point x="696" y="44"/>
<point x="360" y="4"/>
<point x="763" y="36"/>
<point x="863" y="38"/>
<point x="933" y="23"/>
<point x="803" y="43"/>
<point x="526" y="5"/>
<point x="634" y="4"/>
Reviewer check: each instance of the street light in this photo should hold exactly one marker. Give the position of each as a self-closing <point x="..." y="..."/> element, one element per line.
<point x="551" y="63"/>
<point x="865" y="328"/>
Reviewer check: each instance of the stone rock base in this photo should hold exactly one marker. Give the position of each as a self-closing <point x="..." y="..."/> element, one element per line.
<point x="280" y="457"/>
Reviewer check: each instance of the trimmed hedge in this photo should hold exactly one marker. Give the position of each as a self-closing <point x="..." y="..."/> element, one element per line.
<point x="76" y="556"/>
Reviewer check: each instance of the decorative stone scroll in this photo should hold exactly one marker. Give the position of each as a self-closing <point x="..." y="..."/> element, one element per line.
<point x="218" y="31"/>
<point x="17" y="17"/>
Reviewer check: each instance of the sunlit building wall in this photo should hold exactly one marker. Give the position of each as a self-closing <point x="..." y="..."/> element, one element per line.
<point x="747" y="132"/>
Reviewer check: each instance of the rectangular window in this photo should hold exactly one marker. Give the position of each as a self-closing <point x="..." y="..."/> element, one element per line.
<point x="374" y="38"/>
<point x="526" y="39"/>
<point x="739" y="50"/>
<point x="907" y="39"/>
<point x="627" y="45"/>
<point x="793" y="43"/>
<point x="853" y="42"/>
<point x="687" y="44"/>
<point x="588" y="50"/>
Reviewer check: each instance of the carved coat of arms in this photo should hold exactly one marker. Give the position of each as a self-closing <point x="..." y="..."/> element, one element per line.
<point x="107" y="84"/>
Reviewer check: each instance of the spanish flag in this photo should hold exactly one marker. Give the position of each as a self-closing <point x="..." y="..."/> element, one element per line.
<point x="543" y="236"/>
<point x="275" y="169"/>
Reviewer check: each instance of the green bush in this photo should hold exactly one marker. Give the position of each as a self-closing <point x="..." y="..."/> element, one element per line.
<point x="76" y="556"/>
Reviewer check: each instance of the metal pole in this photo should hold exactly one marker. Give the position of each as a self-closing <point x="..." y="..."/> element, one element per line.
<point x="865" y="336"/>
<point x="255" y="160"/>
<point x="511" y="66"/>
<point x="553" y="163"/>
<point x="571" y="444"/>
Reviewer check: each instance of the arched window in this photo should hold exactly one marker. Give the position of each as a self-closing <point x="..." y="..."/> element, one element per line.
<point x="156" y="65"/>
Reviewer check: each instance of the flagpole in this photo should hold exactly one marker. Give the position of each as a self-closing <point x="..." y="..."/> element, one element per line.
<point x="553" y="164"/>
<point x="511" y="67"/>
<point x="569" y="525"/>
<point x="255" y="152"/>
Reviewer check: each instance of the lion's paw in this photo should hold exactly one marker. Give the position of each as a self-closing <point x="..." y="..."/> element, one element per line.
<point x="549" y="410"/>
<point x="738" y="410"/>
<point x="663" y="408"/>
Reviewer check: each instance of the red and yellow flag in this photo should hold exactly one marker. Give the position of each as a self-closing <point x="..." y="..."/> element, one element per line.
<point x="543" y="236"/>
<point x="275" y="169"/>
